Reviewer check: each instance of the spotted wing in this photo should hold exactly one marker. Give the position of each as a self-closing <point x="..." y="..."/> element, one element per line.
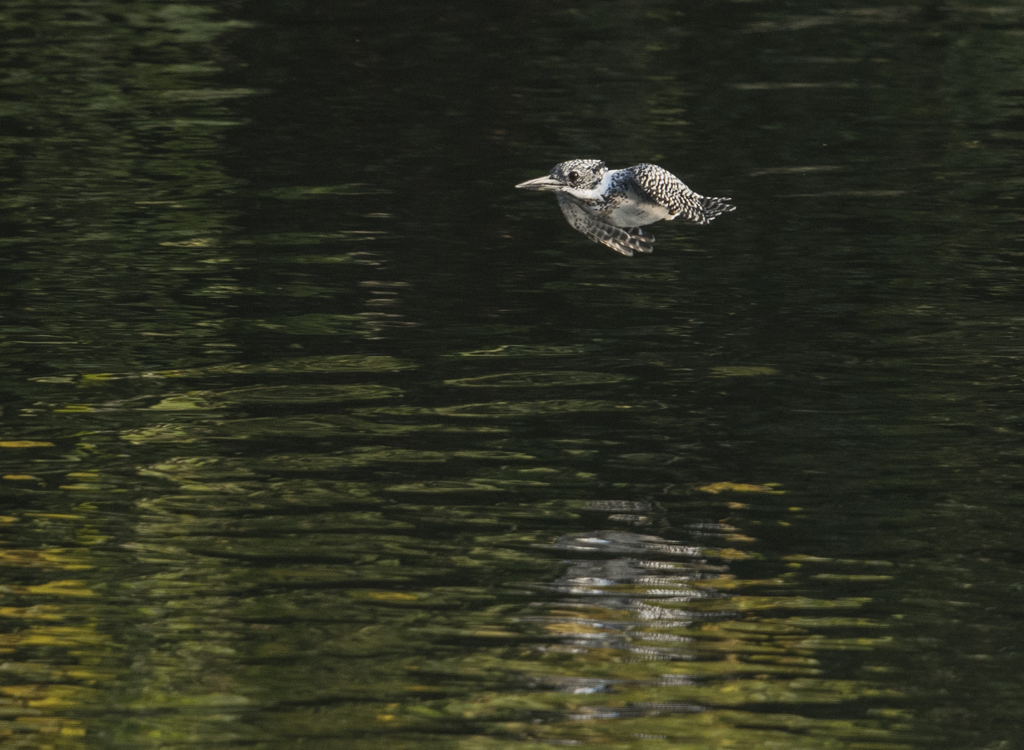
<point x="665" y="188"/>
<point x="621" y="240"/>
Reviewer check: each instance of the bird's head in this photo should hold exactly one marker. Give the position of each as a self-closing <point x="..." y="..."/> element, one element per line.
<point x="578" y="174"/>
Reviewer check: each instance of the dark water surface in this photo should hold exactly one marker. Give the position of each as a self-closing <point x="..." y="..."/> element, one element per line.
<point x="315" y="433"/>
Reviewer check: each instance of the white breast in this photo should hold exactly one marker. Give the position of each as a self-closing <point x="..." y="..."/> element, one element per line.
<point x="631" y="213"/>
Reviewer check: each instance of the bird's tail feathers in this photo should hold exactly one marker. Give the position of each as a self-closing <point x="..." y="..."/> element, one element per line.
<point x="712" y="207"/>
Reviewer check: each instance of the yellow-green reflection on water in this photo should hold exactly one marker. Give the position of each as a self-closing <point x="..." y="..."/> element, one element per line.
<point x="54" y="650"/>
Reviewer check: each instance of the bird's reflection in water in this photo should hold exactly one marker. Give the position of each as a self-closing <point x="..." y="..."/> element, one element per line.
<point x="619" y="643"/>
<point x="621" y="588"/>
<point x="650" y="637"/>
<point x="636" y="573"/>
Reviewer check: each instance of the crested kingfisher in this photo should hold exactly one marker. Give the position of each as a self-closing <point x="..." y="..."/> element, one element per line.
<point x="610" y="205"/>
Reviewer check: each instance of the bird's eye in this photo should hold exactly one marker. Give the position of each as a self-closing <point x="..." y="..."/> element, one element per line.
<point x="573" y="176"/>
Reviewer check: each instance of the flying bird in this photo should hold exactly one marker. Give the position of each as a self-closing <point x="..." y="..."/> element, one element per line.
<point x="610" y="205"/>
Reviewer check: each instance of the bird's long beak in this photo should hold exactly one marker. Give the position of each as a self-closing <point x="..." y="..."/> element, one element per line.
<point x="541" y="183"/>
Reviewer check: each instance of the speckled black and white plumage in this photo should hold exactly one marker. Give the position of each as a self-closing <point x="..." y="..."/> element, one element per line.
<point x="579" y="172"/>
<point x="610" y="206"/>
<point x="623" y="240"/>
<point x="663" y="187"/>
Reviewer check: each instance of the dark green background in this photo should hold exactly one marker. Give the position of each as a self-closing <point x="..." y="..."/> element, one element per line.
<point x="315" y="433"/>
